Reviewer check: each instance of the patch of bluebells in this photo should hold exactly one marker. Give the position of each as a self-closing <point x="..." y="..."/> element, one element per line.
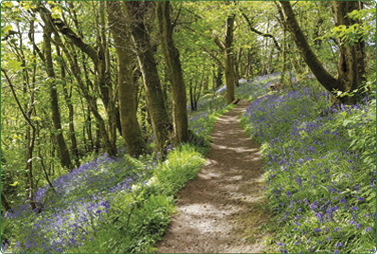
<point x="199" y="120"/>
<point x="319" y="188"/>
<point x="80" y="203"/>
<point x="257" y="86"/>
<point x="84" y="196"/>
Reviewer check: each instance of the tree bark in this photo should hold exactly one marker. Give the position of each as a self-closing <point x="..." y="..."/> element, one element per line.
<point x="30" y="147"/>
<point x="311" y="59"/>
<point x="136" y="12"/>
<point x="229" y="58"/>
<point x="131" y="131"/>
<point x="100" y="67"/>
<point x="171" y="53"/>
<point x="284" y="59"/>
<point x="351" y="67"/>
<point x="68" y="101"/>
<point x="104" y="77"/>
<point x="55" y="114"/>
<point x="92" y="104"/>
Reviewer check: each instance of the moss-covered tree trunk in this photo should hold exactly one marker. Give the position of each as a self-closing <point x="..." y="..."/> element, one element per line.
<point x="110" y="149"/>
<point x="100" y="67"/>
<point x="68" y="97"/>
<point x="137" y="12"/>
<point x="131" y="131"/>
<point x="55" y="114"/>
<point x="351" y="69"/>
<point x="178" y="88"/>
<point x="351" y="66"/>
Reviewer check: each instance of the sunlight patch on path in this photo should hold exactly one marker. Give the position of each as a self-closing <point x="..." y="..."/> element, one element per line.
<point x="222" y="210"/>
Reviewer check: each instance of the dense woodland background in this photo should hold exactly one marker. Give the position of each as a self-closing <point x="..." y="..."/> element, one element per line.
<point x="84" y="78"/>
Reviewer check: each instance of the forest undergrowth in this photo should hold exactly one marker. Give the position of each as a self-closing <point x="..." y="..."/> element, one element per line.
<point x="320" y="170"/>
<point x="320" y="181"/>
<point x="112" y="205"/>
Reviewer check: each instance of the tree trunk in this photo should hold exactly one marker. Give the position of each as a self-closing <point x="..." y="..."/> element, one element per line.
<point x="229" y="58"/>
<point x="68" y="100"/>
<point x="55" y="114"/>
<point x="236" y="68"/>
<point x="104" y="77"/>
<point x="131" y="131"/>
<point x="192" y="98"/>
<point x="351" y="66"/>
<point x="161" y="126"/>
<point x="284" y="59"/>
<point x="219" y="77"/>
<point x="171" y="53"/>
<point x="350" y="60"/>
<point x="100" y="67"/>
<point x="31" y="143"/>
<point x="92" y="104"/>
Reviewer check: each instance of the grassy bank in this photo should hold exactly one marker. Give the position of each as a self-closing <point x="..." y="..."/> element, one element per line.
<point x="111" y="205"/>
<point x="320" y="170"/>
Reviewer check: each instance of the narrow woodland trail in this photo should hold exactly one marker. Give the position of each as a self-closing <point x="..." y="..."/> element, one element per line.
<point x="221" y="211"/>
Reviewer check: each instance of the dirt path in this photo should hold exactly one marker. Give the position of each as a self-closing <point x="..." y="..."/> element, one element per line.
<point x="222" y="210"/>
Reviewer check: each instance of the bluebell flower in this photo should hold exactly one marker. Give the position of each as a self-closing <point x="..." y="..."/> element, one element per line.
<point x="355" y="208"/>
<point x="289" y="194"/>
<point x="339" y="244"/>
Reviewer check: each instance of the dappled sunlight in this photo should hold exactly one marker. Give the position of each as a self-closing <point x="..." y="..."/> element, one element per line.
<point x="228" y="187"/>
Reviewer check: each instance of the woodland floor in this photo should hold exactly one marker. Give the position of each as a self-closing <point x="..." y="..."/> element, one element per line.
<point x="221" y="211"/>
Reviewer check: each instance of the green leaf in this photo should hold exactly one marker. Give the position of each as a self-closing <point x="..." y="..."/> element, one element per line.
<point x="7" y="4"/>
<point x="55" y="15"/>
<point x="6" y="29"/>
<point x="14" y="65"/>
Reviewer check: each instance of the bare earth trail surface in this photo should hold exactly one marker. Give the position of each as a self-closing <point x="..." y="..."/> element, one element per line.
<point x="221" y="211"/>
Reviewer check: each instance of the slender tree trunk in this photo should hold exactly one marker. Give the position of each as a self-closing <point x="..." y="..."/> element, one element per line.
<point x="229" y="75"/>
<point x="284" y="59"/>
<point x="104" y="77"/>
<point x="55" y="114"/>
<point x="161" y="126"/>
<point x="171" y="53"/>
<point x="236" y="68"/>
<point x="192" y="97"/>
<point x="126" y="88"/>
<point x="219" y="77"/>
<point x="100" y="67"/>
<point x="270" y="68"/>
<point x="229" y="58"/>
<point x="92" y="104"/>
<point x="89" y="131"/>
<point x="42" y="160"/>
<point x="68" y="100"/>
<point x="31" y="143"/>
